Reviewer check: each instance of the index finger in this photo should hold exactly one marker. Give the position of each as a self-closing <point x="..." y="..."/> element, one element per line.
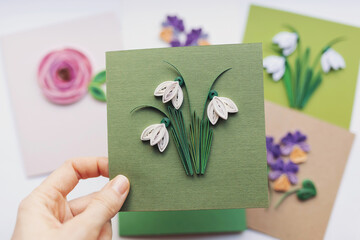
<point x="65" y="178"/>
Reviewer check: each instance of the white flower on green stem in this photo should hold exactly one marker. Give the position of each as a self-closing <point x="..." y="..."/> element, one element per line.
<point x="331" y="59"/>
<point x="157" y="134"/>
<point x="220" y="107"/>
<point x="275" y="65"/>
<point x="287" y="41"/>
<point x="171" y="90"/>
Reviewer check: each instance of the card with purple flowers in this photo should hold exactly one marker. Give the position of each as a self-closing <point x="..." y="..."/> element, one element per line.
<point x="305" y="167"/>
<point x="56" y="92"/>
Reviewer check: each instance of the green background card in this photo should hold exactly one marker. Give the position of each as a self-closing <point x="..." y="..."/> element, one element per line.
<point x="333" y="100"/>
<point x="236" y="173"/>
<point x="181" y="222"/>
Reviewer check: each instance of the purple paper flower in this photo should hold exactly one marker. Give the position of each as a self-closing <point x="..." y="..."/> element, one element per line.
<point x="273" y="150"/>
<point x="193" y="37"/>
<point x="175" y="22"/>
<point x="291" y="140"/>
<point x="280" y="167"/>
<point x="174" y="31"/>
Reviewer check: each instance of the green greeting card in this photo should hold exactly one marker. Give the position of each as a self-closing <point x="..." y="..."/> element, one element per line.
<point x="313" y="63"/>
<point x="200" y="147"/>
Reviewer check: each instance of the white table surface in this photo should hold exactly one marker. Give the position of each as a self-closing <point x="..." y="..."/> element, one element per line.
<point x="225" y="21"/>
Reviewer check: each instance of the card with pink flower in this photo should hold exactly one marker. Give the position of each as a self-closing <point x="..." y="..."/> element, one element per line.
<point x="58" y="104"/>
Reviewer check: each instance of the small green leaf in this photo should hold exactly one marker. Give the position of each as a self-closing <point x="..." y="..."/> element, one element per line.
<point x="96" y="91"/>
<point x="307" y="191"/>
<point x="100" y="77"/>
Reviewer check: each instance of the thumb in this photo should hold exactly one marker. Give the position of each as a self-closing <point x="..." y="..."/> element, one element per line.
<point x="104" y="205"/>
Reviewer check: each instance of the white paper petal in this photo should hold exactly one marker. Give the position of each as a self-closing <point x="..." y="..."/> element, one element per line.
<point x="325" y="65"/>
<point x="220" y="108"/>
<point x="164" y="141"/>
<point x="333" y="60"/>
<point x="146" y="134"/>
<point x="286" y="40"/>
<point x="289" y="50"/>
<point x="157" y="134"/>
<point x="170" y="91"/>
<point x="161" y="88"/>
<point x="279" y="74"/>
<point x="212" y="115"/>
<point x="273" y="63"/>
<point x="178" y="99"/>
<point x="229" y="105"/>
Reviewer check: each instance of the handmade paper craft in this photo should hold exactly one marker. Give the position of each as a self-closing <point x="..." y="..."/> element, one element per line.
<point x="306" y="159"/>
<point x="193" y="147"/>
<point x="173" y="32"/>
<point x="309" y="64"/>
<point x="236" y="164"/>
<point x="64" y="76"/>
<point x="49" y="72"/>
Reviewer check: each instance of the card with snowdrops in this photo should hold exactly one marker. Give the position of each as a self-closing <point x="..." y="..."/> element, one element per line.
<point x="305" y="167"/>
<point x="188" y="122"/>
<point x="309" y="64"/>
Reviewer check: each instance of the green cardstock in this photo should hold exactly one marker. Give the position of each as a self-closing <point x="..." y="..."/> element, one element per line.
<point x="236" y="174"/>
<point x="181" y="222"/>
<point x="333" y="100"/>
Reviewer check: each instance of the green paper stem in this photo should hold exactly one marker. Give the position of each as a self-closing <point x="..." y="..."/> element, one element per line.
<point x="185" y="87"/>
<point x="288" y="84"/>
<point x="148" y="106"/>
<point x="211" y="87"/>
<point x="307" y="191"/>
<point x="285" y="196"/>
<point x="180" y="138"/>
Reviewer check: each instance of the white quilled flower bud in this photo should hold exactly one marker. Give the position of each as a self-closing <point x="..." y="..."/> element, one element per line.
<point x="275" y="65"/>
<point x="157" y="134"/>
<point x="287" y="41"/>
<point x="220" y="107"/>
<point x="331" y="59"/>
<point x="170" y="90"/>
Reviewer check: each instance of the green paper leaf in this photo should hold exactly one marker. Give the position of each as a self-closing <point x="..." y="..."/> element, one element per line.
<point x="96" y="91"/>
<point x="100" y="77"/>
<point x="288" y="84"/>
<point x="307" y="191"/>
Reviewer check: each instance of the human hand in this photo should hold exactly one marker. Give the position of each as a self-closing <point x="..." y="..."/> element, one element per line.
<point x="46" y="213"/>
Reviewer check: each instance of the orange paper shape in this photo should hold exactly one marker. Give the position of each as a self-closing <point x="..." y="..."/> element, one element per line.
<point x="282" y="184"/>
<point x="203" y="42"/>
<point x="298" y="155"/>
<point x="167" y="34"/>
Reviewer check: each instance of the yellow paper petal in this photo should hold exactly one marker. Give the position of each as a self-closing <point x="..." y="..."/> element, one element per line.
<point x="166" y="34"/>
<point x="298" y="155"/>
<point x="203" y="42"/>
<point x="282" y="184"/>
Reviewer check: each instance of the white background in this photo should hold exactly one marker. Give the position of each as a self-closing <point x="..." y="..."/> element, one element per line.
<point x="225" y="22"/>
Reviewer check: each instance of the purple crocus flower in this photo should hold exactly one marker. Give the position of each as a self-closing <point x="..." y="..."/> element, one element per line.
<point x="280" y="167"/>
<point x="294" y="139"/>
<point x="175" y="22"/>
<point x="273" y="150"/>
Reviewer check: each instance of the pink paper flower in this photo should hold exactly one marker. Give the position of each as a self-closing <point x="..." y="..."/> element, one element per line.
<point x="64" y="75"/>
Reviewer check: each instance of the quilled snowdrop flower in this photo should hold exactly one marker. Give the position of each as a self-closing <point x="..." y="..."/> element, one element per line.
<point x="157" y="134"/>
<point x="171" y="90"/>
<point x="219" y="107"/>
<point x="287" y="41"/>
<point x="331" y="59"/>
<point x="275" y="65"/>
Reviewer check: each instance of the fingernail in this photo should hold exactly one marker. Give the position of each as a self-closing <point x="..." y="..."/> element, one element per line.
<point x="120" y="184"/>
